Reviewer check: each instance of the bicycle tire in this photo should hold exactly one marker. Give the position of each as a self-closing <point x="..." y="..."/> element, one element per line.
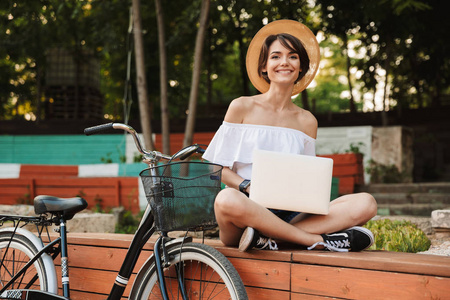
<point x="12" y="259"/>
<point x="199" y="261"/>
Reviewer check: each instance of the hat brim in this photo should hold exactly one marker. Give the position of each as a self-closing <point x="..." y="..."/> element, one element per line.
<point x="298" y="30"/>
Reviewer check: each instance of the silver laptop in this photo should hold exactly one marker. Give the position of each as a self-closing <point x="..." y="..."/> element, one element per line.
<point x="291" y="182"/>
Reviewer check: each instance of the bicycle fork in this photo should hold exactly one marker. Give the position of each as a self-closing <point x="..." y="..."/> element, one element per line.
<point x="161" y="261"/>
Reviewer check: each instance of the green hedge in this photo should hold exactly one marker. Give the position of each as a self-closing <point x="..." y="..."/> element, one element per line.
<point x="399" y="236"/>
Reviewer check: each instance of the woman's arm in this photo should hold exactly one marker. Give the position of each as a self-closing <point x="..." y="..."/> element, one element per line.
<point x="231" y="179"/>
<point x="235" y="114"/>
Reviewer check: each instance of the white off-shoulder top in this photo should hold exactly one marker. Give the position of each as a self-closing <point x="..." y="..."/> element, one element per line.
<point x="233" y="144"/>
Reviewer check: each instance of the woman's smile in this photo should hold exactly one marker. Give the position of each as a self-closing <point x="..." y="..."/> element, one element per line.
<point x="283" y="65"/>
<point x="284" y="71"/>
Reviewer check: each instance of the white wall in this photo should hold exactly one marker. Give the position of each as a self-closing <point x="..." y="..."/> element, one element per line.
<point x="332" y="140"/>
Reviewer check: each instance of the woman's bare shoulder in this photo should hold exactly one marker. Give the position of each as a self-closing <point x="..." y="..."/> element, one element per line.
<point x="309" y="123"/>
<point x="238" y="108"/>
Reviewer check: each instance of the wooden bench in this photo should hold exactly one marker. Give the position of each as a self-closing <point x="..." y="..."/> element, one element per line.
<point x="285" y="274"/>
<point x="108" y="192"/>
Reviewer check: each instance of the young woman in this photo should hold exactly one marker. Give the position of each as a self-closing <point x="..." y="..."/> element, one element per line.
<point x="282" y="60"/>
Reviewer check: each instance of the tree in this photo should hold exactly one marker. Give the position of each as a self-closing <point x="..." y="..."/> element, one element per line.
<point x="190" y="121"/>
<point x="165" y="126"/>
<point x="340" y="19"/>
<point x="401" y="37"/>
<point x="141" y="79"/>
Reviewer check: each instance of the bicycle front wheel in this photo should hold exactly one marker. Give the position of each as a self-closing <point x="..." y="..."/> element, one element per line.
<point x="198" y="270"/>
<point x="16" y="253"/>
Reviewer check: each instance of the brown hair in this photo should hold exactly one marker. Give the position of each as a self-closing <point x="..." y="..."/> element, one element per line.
<point x="291" y="43"/>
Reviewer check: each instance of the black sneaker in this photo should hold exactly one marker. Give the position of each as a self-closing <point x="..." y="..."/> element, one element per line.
<point x="251" y="239"/>
<point x="353" y="239"/>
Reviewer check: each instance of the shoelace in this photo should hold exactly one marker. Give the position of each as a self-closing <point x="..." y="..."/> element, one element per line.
<point x="329" y="247"/>
<point x="263" y="243"/>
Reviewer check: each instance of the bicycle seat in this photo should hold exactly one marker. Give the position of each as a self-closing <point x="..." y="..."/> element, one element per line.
<point x="68" y="207"/>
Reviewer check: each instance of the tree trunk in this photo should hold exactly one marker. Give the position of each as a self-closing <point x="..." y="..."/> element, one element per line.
<point x="350" y="87"/>
<point x="165" y="124"/>
<point x="243" y="68"/>
<point x="209" y="61"/>
<point x="384" y="119"/>
<point x="38" y="91"/>
<point x="305" y="101"/>
<point x="190" y="121"/>
<point x="141" y="80"/>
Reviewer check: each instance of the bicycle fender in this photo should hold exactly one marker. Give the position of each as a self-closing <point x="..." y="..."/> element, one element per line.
<point x="151" y="260"/>
<point x="47" y="260"/>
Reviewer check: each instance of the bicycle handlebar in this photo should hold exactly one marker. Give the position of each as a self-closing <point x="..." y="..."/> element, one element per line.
<point x="148" y="155"/>
<point x="98" y="128"/>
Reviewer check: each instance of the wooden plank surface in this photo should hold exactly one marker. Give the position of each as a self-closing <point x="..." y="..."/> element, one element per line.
<point x="40" y="171"/>
<point x="101" y="258"/>
<point x="113" y="192"/>
<point x="286" y="274"/>
<point x="266" y="294"/>
<point x="350" y="283"/>
<point x="82" y="295"/>
<point x="264" y="274"/>
<point x="257" y="272"/>
<point x="17" y="191"/>
<point x="378" y="260"/>
<point x="94" y="281"/>
<point x="344" y="158"/>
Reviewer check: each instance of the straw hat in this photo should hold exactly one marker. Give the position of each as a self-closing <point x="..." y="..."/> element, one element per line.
<point x="298" y="30"/>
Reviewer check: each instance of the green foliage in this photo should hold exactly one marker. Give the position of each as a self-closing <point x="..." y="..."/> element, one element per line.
<point x="380" y="173"/>
<point x="111" y="157"/>
<point x="26" y="198"/>
<point x="128" y="223"/>
<point x="326" y="97"/>
<point x="81" y="194"/>
<point x="137" y="158"/>
<point x="400" y="37"/>
<point x="398" y="236"/>
<point x="98" y="208"/>
<point x="107" y="159"/>
<point x="355" y="148"/>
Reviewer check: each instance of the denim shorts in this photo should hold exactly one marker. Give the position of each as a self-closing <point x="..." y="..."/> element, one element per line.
<point x="285" y="215"/>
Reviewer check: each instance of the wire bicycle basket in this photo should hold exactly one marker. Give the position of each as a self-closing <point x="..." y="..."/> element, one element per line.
<point x="182" y="194"/>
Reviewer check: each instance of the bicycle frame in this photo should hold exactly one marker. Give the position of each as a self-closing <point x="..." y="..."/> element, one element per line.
<point x="142" y="235"/>
<point x="146" y="227"/>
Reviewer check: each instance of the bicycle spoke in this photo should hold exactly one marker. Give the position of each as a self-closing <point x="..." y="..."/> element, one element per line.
<point x="201" y="281"/>
<point x="5" y="267"/>
<point x="16" y="253"/>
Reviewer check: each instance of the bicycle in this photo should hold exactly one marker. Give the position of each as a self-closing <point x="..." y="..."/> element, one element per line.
<point x="180" y="197"/>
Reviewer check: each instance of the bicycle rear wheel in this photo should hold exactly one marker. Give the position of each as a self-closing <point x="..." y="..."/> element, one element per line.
<point x="17" y="255"/>
<point x="205" y="273"/>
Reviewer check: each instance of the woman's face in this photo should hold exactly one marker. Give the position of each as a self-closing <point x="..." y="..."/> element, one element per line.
<point x="283" y="65"/>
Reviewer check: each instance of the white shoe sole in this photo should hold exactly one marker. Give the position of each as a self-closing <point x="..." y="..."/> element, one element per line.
<point x="246" y="239"/>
